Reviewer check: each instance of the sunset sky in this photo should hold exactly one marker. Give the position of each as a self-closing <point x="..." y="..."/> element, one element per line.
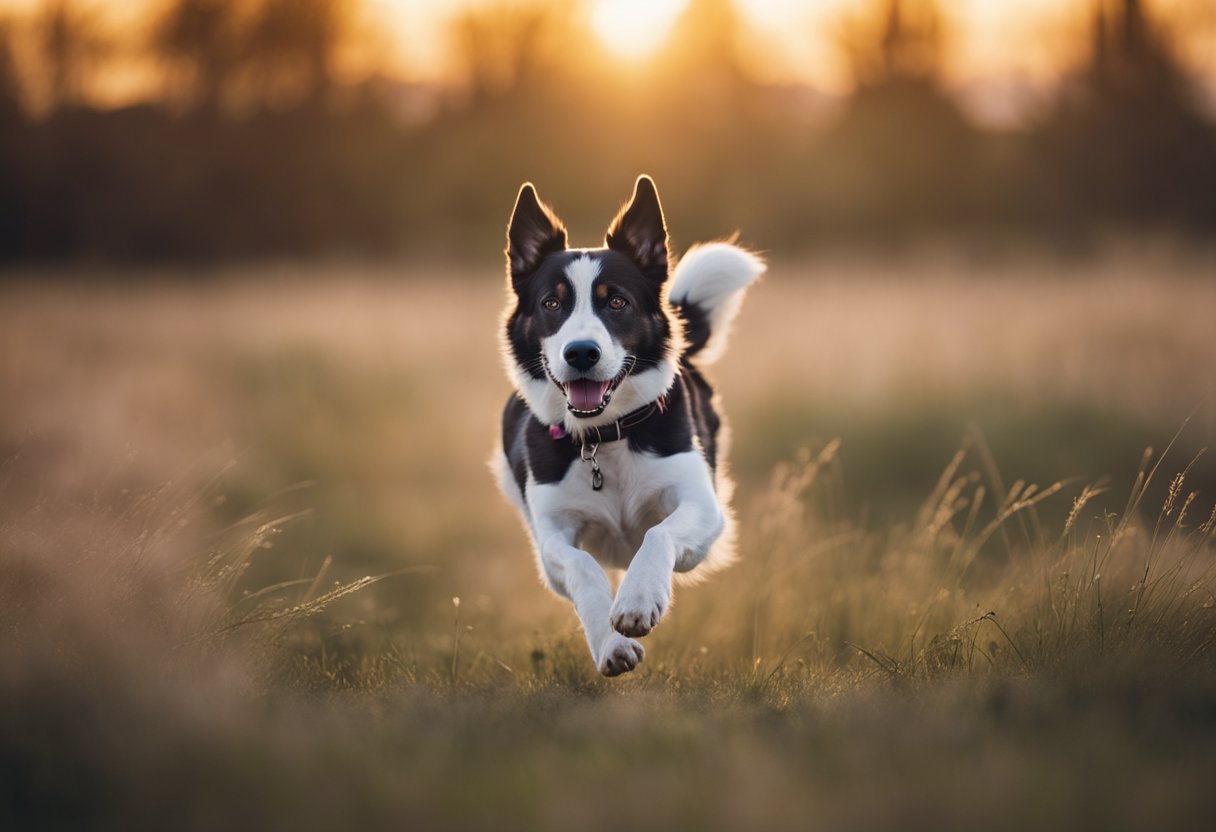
<point x="793" y="39"/>
<point x="997" y="50"/>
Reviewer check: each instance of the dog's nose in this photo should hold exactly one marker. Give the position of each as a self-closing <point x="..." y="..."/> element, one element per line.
<point x="582" y="355"/>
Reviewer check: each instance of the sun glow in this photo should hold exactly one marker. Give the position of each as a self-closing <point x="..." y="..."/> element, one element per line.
<point x="634" y="29"/>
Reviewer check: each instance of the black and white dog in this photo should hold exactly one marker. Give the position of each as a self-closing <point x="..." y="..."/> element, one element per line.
<point x="611" y="445"/>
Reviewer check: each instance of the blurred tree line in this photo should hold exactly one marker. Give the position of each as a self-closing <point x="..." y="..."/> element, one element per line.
<point x="252" y="146"/>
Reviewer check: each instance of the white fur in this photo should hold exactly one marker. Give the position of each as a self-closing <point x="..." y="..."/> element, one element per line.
<point x="713" y="277"/>
<point x="653" y="517"/>
<point x="501" y="469"/>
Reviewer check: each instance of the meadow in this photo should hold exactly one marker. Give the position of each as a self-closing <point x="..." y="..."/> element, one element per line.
<point x="254" y="572"/>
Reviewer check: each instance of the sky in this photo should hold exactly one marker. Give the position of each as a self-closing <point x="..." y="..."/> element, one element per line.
<point x="989" y="37"/>
<point x="1000" y="52"/>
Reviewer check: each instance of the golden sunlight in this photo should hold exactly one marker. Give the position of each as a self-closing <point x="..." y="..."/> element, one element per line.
<point x="634" y="29"/>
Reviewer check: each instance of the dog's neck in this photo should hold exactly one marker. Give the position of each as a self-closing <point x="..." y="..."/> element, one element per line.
<point x="614" y="431"/>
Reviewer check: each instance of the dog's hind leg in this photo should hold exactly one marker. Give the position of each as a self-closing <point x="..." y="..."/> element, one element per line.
<point x="575" y="575"/>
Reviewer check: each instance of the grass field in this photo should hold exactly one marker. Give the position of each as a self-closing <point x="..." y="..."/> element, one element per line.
<point x="254" y="573"/>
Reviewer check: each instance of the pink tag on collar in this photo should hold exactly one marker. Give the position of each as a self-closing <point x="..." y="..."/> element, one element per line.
<point x="557" y="432"/>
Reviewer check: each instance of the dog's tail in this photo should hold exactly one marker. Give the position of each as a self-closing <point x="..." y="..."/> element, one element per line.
<point x="707" y="290"/>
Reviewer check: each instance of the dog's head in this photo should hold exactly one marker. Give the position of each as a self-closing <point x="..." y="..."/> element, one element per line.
<point x="589" y="335"/>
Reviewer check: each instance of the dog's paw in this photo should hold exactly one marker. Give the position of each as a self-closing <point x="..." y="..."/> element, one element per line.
<point x="619" y="654"/>
<point x="638" y="608"/>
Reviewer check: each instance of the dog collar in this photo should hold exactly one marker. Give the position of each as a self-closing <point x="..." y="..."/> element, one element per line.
<point x="614" y="432"/>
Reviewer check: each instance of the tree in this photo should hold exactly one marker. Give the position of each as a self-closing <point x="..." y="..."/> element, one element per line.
<point x="10" y="86"/>
<point x="900" y="42"/>
<point x="1127" y="140"/>
<point x="71" y="47"/>
<point x="293" y="46"/>
<point x="507" y="47"/>
<point x="203" y="43"/>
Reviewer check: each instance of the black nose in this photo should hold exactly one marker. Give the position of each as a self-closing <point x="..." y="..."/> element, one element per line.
<point x="582" y="355"/>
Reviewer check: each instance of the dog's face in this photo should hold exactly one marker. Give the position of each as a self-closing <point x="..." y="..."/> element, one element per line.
<point x="589" y="336"/>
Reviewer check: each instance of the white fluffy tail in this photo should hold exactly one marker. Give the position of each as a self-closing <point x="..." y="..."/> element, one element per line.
<point x="707" y="289"/>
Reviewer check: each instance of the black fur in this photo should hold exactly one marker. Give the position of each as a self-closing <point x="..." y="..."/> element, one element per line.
<point x="534" y="233"/>
<point x="530" y="322"/>
<point x="696" y="328"/>
<point x="640" y="233"/>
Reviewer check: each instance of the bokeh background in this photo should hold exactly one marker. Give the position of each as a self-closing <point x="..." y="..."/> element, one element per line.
<point x="252" y="564"/>
<point x="217" y="129"/>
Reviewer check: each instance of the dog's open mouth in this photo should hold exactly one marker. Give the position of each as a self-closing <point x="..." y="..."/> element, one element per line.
<point x="587" y="397"/>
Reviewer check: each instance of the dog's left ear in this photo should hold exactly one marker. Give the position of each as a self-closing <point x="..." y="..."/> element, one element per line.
<point x="639" y="231"/>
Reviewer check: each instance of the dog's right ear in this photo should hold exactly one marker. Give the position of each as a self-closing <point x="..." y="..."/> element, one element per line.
<point x="534" y="232"/>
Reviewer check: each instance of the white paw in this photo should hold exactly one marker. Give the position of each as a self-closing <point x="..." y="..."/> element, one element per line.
<point x="638" y="606"/>
<point x="619" y="654"/>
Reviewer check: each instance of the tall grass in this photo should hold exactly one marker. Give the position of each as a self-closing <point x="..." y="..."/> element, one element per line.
<point x="974" y="583"/>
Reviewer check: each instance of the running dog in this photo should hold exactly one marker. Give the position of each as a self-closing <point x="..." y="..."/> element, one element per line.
<point x="612" y="446"/>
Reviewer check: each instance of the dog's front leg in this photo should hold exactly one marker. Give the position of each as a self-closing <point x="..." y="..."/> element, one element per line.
<point x="677" y="544"/>
<point x="575" y="575"/>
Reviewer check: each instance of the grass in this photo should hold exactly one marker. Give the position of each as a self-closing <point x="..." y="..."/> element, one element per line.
<point x="232" y="553"/>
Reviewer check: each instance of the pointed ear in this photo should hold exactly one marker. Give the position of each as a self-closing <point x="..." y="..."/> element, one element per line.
<point x="533" y="233"/>
<point x="639" y="231"/>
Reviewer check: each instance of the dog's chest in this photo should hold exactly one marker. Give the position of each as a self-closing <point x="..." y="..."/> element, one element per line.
<point x="637" y="493"/>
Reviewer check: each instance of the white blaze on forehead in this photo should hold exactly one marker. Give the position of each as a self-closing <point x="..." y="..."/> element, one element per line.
<point x="582" y="273"/>
<point x="583" y="323"/>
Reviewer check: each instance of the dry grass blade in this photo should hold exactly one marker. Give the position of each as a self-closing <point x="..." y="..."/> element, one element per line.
<point x="886" y="664"/>
<point x="311" y="607"/>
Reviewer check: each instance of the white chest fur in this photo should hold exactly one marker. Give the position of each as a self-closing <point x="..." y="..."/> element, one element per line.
<point x="639" y="491"/>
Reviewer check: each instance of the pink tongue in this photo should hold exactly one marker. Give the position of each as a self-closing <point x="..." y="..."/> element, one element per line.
<point x="586" y="394"/>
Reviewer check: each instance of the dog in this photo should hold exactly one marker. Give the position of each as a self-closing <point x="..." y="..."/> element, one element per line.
<point x="612" y="445"/>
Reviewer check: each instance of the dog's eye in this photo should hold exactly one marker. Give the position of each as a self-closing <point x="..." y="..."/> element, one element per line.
<point x="551" y="303"/>
<point x="617" y="302"/>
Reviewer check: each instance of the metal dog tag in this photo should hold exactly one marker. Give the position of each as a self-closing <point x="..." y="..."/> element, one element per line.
<point x="588" y="454"/>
